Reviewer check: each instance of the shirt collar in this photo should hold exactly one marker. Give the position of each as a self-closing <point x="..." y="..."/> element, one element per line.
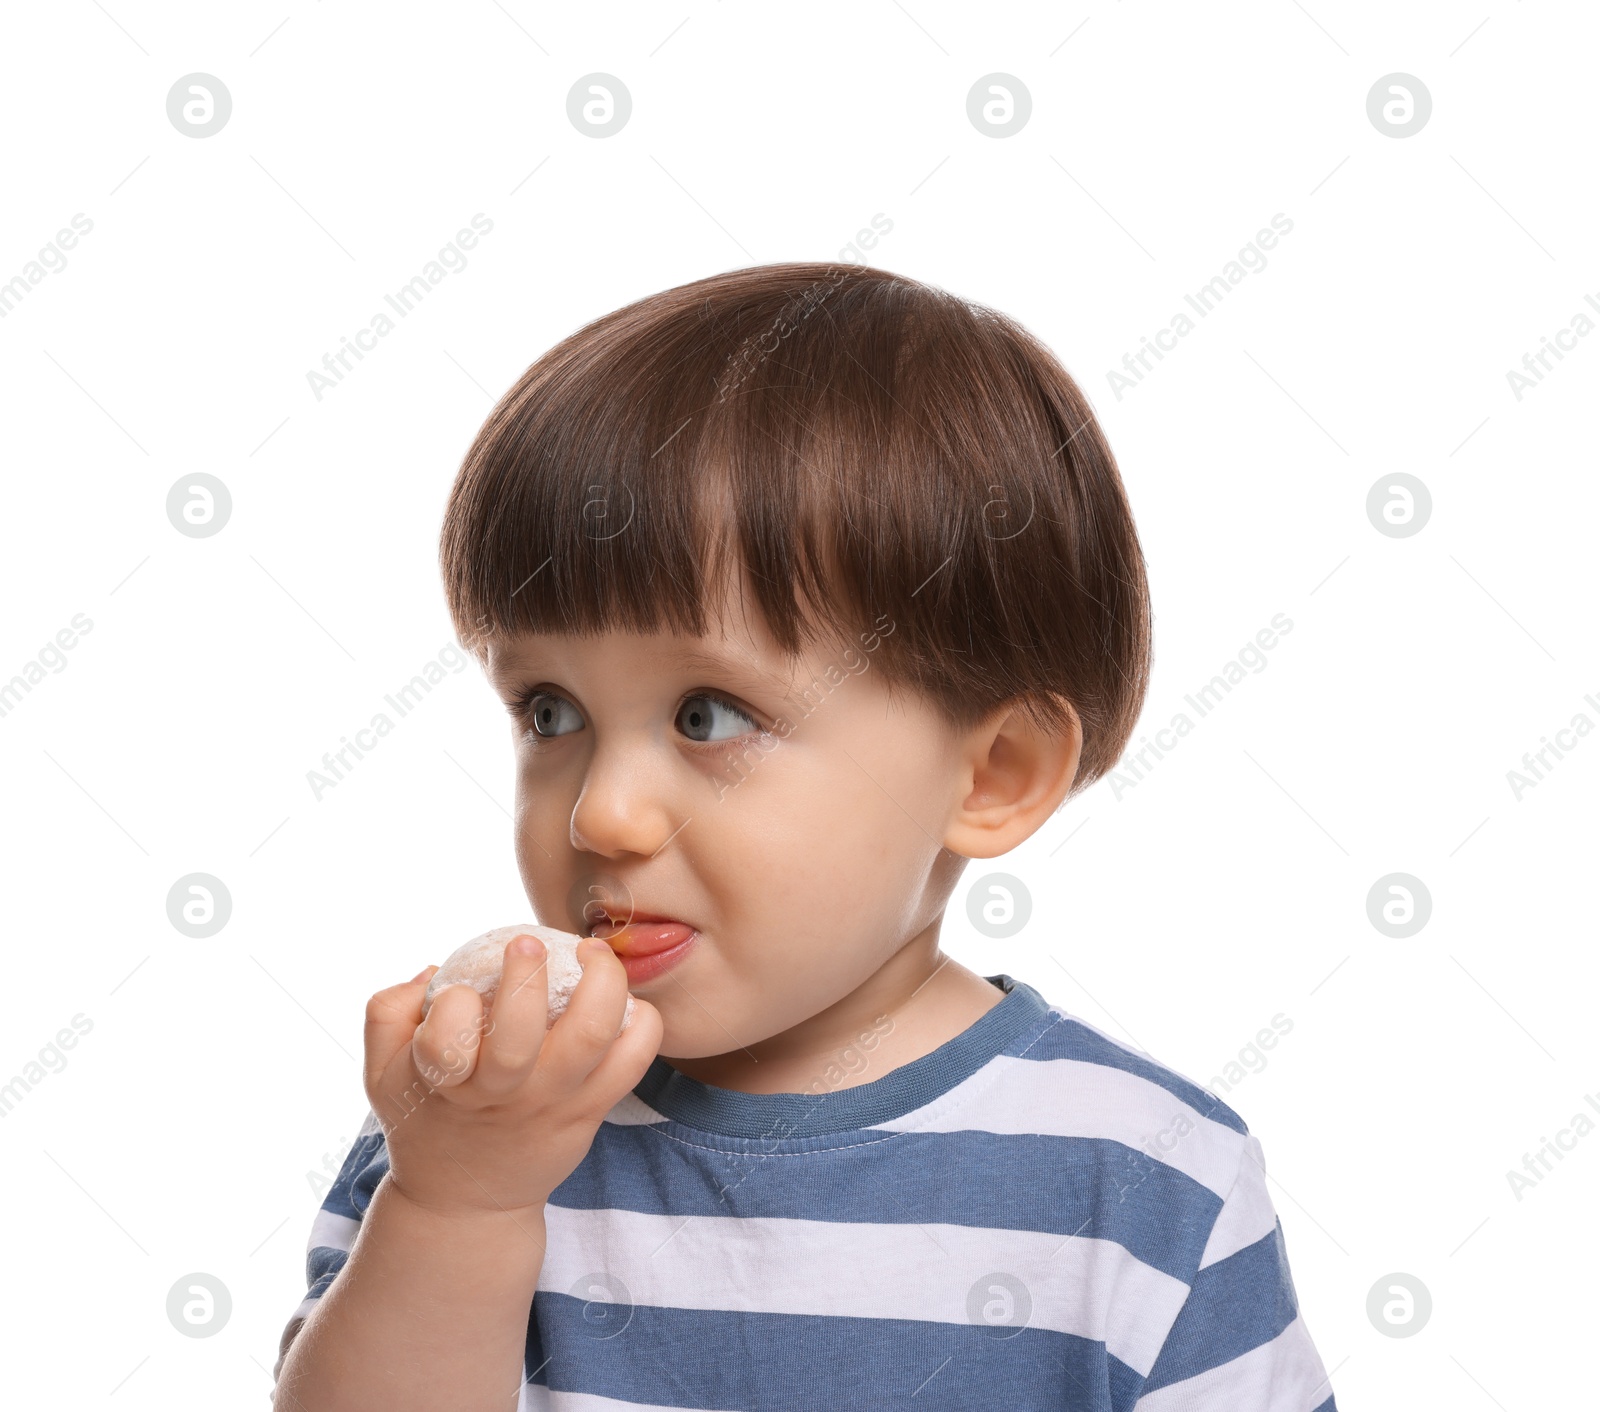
<point x="778" y="1115"/>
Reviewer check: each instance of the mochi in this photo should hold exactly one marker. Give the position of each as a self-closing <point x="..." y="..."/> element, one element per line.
<point x="478" y="963"/>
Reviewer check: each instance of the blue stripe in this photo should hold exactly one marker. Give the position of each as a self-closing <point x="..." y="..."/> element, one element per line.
<point x="1070" y="1039"/>
<point x="350" y="1195"/>
<point x="641" y="1353"/>
<point x="323" y="1262"/>
<point x="1326" y="1406"/>
<point x="1236" y="1305"/>
<point x="1092" y="1187"/>
<point x="779" y="1115"/>
<point x="358" y="1178"/>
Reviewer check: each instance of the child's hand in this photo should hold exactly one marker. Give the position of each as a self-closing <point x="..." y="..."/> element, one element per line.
<point x="487" y="1111"/>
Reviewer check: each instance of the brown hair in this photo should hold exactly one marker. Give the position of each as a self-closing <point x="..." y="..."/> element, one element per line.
<point x="869" y="445"/>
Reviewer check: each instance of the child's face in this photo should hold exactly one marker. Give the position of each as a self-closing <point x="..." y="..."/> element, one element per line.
<point x="799" y="828"/>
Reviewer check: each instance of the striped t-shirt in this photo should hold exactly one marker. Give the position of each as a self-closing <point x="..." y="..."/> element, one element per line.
<point x="1032" y="1216"/>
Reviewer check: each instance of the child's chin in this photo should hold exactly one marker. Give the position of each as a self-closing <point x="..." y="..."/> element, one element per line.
<point x="685" y="1040"/>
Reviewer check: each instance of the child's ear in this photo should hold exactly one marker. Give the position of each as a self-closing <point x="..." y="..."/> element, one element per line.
<point x="1010" y="777"/>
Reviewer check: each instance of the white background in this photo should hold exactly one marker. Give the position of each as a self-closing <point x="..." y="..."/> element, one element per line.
<point x="189" y="1128"/>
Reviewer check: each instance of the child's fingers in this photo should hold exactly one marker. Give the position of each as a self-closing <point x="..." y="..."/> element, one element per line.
<point x="592" y="1020"/>
<point x="392" y="1016"/>
<point x="624" y="1063"/>
<point x="517" y="1019"/>
<point x="445" y="1045"/>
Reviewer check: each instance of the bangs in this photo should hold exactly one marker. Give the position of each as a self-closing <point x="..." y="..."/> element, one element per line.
<point x="858" y="447"/>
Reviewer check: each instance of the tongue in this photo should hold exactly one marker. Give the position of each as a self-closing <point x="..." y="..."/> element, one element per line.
<point x="643" y="938"/>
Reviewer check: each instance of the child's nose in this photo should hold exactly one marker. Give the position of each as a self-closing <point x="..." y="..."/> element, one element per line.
<point x="622" y="807"/>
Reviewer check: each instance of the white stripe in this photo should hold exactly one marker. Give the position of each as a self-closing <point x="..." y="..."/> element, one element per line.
<point x="1284" y="1375"/>
<point x="1247" y="1215"/>
<point x="835" y="1268"/>
<point x="1138" y="1053"/>
<point x="332" y="1230"/>
<point x="1074" y="1098"/>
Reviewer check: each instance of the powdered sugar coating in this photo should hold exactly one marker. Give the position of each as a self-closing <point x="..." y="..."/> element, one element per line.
<point x="479" y="962"/>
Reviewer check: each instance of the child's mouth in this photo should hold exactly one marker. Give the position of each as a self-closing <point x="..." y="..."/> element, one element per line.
<point x="647" y="948"/>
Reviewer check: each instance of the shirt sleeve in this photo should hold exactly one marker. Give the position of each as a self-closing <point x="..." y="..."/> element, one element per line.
<point x="333" y="1231"/>
<point x="1239" y="1343"/>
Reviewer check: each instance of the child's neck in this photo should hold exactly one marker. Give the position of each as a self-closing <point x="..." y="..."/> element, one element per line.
<point x="918" y="1001"/>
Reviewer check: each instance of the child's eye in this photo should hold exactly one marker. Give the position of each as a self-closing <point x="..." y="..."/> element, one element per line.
<point x="710" y="718"/>
<point x="552" y="715"/>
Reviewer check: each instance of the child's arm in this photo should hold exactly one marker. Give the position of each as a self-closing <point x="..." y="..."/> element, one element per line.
<point x="430" y="1311"/>
<point x="483" y="1117"/>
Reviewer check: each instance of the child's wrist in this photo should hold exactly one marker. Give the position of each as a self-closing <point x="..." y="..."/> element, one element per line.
<point x="467" y="1213"/>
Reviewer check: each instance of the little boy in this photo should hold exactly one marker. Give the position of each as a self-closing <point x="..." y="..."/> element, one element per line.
<point x="802" y="585"/>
